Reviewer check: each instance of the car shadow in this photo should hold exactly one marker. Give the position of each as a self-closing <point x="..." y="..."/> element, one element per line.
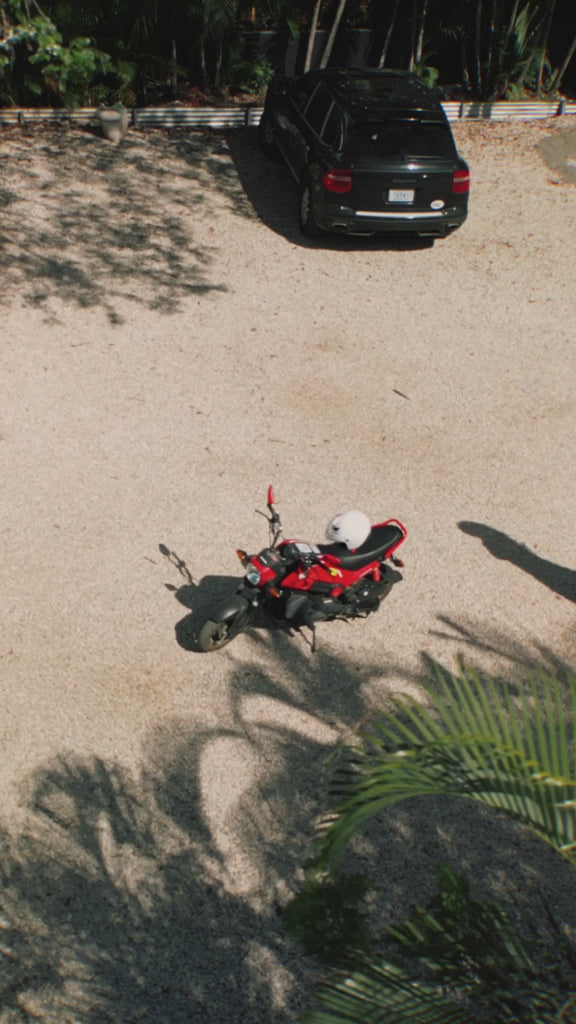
<point x="558" y="578"/>
<point x="273" y="194"/>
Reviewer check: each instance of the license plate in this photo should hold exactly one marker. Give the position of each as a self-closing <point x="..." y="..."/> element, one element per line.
<point x="401" y="195"/>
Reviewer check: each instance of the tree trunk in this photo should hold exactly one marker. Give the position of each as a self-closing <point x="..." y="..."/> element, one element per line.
<point x="464" y="65"/>
<point x="478" y="49"/>
<point x="412" y="60"/>
<point x="174" y="67"/>
<point x="546" y="36"/>
<point x="562" y="69"/>
<point x="333" y="31"/>
<point x="511" y="23"/>
<point x="491" y="54"/>
<point x="312" y="35"/>
<point x="420" y="40"/>
<point x="505" y="42"/>
<point x="203" y="68"/>
<point x="384" y="53"/>
<point x="218" y="70"/>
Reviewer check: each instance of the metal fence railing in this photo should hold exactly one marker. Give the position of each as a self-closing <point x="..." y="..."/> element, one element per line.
<point x="13" y="115"/>
<point x="246" y="115"/>
<point x="242" y="115"/>
<point x="507" y="110"/>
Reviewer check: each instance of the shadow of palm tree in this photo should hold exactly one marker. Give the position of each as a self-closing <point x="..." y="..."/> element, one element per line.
<point x="515" y="659"/>
<point x="155" y="893"/>
<point x="90" y="223"/>
<point x="402" y="847"/>
<point x="557" y="578"/>
<point x="117" y="907"/>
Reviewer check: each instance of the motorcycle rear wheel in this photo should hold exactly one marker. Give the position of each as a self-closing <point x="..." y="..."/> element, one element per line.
<point x="215" y="635"/>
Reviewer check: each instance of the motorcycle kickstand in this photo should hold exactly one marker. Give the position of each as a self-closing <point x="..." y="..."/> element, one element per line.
<point x="311" y="642"/>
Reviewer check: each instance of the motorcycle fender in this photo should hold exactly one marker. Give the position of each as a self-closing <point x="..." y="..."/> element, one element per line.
<point x="390" y="575"/>
<point x="230" y="608"/>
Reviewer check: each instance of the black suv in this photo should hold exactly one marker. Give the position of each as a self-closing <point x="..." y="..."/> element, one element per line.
<point x="371" y="151"/>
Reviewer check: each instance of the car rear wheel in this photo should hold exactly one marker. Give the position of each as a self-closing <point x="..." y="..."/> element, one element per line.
<point x="267" y="138"/>
<point x="308" y="223"/>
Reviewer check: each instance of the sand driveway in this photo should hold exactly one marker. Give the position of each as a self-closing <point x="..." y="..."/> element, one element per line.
<point x="169" y="347"/>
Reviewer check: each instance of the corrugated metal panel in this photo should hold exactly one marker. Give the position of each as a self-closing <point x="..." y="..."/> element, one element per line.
<point x="194" y="117"/>
<point x="503" y="110"/>
<point x="247" y="115"/>
<point x="9" y="115"/>
<point x="453" y="110"/>
<point x="254" y="115"/>
<point x="506" y="111"/>
<point x="147" y="117"/>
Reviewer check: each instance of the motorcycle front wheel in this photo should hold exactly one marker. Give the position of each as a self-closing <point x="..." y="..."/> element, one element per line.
<point x="215" y="635"/>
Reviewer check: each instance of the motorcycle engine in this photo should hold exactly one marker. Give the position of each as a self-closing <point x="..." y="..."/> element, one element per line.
<point x="363" y="598"/>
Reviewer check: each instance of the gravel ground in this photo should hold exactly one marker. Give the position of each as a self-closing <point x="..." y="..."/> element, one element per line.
<point x="170" y="346"/>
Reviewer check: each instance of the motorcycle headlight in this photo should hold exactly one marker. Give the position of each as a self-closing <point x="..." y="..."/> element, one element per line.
<point x="254" y="576"/>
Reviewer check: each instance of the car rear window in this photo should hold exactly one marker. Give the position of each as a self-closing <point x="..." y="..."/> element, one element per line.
<point x="403" y="138"/>
<point x="390" y="91"/>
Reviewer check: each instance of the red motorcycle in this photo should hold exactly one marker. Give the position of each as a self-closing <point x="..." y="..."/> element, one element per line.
<point x="295" y="584"/>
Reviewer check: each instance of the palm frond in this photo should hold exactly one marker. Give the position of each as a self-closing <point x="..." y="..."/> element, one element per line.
<point x="145" y="21"/>
<point x="461" y="959"/>
<point x="477" y="740"/>
<point x="383" y="993"/>
<point x="218" y="18"/>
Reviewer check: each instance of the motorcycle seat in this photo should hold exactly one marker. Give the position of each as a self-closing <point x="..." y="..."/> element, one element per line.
<point x="381" y="539"/>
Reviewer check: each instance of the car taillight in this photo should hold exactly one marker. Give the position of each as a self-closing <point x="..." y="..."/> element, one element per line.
<point x="461" y="181"/>
<point x="336" y="180"/>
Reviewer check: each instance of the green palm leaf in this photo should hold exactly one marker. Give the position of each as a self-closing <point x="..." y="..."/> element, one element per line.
<point x="476" y="740"/>
<point x="463" y="961"/>
<point x="383" y="994"/>
<point x="218" y="17"/>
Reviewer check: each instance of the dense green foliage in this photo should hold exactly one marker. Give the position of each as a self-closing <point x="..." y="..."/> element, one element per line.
<point x="326" y="918"/>
<point x="457" y="960"/>
<point x="34" y="61"/>
<point x="139" y="51"/>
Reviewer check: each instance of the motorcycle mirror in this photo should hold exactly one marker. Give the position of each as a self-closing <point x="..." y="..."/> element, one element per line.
<point x="271" y="498"/>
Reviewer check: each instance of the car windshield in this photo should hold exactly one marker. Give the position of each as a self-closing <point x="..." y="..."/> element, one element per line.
<point x="402" y="138"/>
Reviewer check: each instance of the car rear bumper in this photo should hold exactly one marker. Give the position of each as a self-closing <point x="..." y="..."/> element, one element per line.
<point x="343" y="220"/>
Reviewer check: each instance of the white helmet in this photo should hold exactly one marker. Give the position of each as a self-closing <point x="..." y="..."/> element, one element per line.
<point x="350" y="528"/>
